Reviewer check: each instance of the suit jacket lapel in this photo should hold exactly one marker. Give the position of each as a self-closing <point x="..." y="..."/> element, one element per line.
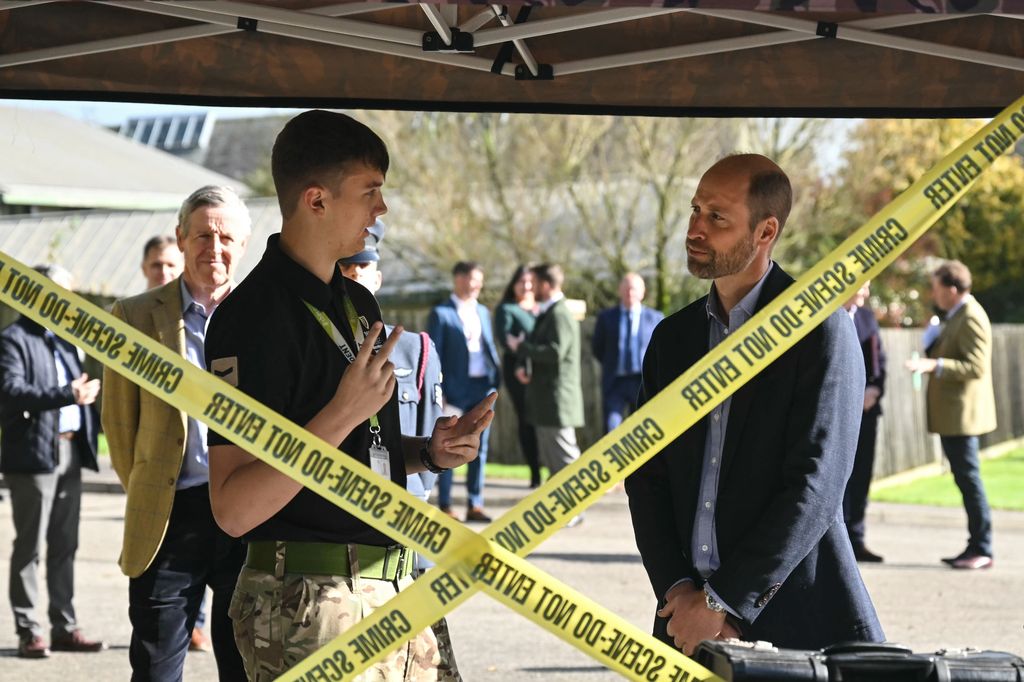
<point x="167" y="318"/>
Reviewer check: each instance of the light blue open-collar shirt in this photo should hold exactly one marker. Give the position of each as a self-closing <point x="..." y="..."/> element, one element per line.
<point x="195" y="467"/>
<point x="704" y="543"/>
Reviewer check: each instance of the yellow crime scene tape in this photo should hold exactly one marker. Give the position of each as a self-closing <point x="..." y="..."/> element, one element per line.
<point x="762" y="339"/>
<point x="466" y="561"/>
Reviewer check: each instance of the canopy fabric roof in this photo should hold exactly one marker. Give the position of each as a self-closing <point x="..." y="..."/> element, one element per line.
<point x="51" y="160"/>
<point x="711" y="57"/>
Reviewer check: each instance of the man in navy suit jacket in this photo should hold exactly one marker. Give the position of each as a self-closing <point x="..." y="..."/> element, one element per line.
<point x="620" y="341"/>
<point x="461" y="330"/>
<point x="855" y="503"/>
<point x="739" y="520"/>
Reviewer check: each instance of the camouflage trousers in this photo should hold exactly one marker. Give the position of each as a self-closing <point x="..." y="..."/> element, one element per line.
<point x="278" y="622"/>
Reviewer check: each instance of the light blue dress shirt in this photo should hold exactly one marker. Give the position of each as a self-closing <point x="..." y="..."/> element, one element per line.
<point x="704" y="543"/>
<point x="70" y="416"/>
<point x="195" y="467"/>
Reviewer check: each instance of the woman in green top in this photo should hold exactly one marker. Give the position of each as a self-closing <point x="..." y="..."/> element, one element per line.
<point x="515" y="316"/>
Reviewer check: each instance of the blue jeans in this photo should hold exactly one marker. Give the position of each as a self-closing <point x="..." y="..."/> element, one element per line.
<point x="962" y="453"/>
<point x="474" y="479"/>
<point x="163" y="602"/>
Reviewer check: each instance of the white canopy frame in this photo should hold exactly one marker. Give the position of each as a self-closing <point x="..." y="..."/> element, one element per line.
<point x="327" y="25"/>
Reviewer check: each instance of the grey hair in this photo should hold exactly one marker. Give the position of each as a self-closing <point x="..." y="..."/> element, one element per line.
<point x="211" y="195"/>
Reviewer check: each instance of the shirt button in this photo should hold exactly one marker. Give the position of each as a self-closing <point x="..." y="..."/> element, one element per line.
<point x="181" y="441"/>
<point x="716" y="416"/>
<point x="714" y="460"/>
<point x="707" y="505"/>
<point x="405" y="395"/>
<point x="703" y="548"/>
<point x="170" y="481"/>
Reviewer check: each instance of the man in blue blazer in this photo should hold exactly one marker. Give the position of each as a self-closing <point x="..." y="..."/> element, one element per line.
<point x="461" y="330"/>
<point x="739" y="520"/>
<point x="620" y="341"/>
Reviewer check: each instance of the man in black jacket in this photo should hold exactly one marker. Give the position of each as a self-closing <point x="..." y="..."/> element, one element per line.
<point x="49" y="431"/>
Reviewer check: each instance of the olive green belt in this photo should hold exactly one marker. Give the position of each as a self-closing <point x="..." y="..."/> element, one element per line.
<point x="322" y="558"/>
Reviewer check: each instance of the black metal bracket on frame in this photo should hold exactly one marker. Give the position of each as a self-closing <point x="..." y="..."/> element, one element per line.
<point x="462" y="41"/>
<point x="247" y="24"/>
<point x="827" y="29"/>
<point x="544" y="73"/>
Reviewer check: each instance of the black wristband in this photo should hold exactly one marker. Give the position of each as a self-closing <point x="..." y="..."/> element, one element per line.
<point x="428" y="461"/>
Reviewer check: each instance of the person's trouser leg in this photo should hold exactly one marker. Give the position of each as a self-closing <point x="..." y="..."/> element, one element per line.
<point x="962" y="453"/>
<point x="31" y="502"/>
<point x="620" y="400"/>
<point x="444" y="489"/>
<point x="557" y="446"/>
<point x="230" y="557"/>
<point x="475" y="473"/>
<point x="164" y="600"/>
<point x="855" y="501"/>
<point x="62" y="540"/>
<point x="524" y="430"/>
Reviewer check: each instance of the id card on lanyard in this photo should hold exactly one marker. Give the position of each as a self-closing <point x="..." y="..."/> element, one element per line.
<point x="380" y="458"/>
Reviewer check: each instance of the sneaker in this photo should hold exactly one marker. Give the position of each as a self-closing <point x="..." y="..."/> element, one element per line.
<point x="32" y="646"/>
<point x="199" y="641"/>
<point x="477" y="514"/>
<point x="76" y="642"/>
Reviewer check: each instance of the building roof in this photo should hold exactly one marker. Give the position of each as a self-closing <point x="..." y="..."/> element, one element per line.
<point x="103" y="249"/>
<point x="51" y="160"/>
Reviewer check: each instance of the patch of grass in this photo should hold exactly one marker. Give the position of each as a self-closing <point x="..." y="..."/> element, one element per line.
<point x="519" y="472"/>
<point x="1003" y="478"/>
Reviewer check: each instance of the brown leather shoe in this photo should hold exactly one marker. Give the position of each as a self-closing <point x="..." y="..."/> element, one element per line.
<point x="972" y="562"/>
<point x="32" y="647"/>
<point x="477" y="514"/>
<point x="199" y="641"/>
<point x="76" y="642"/>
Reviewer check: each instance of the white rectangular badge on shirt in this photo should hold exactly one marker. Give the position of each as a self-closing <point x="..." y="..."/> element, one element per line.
<point x="380" y="460"/>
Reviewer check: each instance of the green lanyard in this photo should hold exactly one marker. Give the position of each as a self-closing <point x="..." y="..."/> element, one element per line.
<point x="342" y="343"/>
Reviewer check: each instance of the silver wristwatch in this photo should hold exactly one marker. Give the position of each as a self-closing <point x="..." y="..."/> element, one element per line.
<point x="711" y="602"/>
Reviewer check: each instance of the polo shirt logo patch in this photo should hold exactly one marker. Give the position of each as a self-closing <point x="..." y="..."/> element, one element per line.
<point x="226" y="369"/>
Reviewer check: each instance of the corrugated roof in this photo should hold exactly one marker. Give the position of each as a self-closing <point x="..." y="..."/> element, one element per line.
<point x="103" y="249"/>
<point x="47" y="159"/>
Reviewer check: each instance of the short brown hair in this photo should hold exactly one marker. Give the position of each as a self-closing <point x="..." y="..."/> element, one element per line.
<point x="161" y="241"/>
<point x="769" y="195"/>
<point x="955" y="274"/>
<point x="317" y="147"/>
<point x="550" y="273"/>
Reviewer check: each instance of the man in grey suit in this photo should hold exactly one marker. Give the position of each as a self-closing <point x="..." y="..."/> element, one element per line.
<point x="554" y="396"/>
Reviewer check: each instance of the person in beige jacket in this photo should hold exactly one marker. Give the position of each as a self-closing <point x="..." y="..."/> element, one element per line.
<point x="173" y="548"/>
<point x="961" y="401"/>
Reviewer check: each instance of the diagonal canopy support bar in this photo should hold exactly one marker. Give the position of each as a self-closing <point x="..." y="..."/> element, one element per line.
<point x="858" y="35"/>
<point x="735" y="44"/>
<point x="112" y="44"/>
<point x="477" y="21"/>
<point x="545" y="27"/>
<point x="528" y="59"/>
<point x="438" y="22"/>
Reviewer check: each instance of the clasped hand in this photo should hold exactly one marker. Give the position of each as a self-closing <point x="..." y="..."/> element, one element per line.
<point x="690" y="621"/>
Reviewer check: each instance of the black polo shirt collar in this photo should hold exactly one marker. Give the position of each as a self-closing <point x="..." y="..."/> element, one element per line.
<point x="301" y="281"/>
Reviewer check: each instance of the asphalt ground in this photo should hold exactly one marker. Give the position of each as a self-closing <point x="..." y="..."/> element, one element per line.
<point x="921" y="603"/>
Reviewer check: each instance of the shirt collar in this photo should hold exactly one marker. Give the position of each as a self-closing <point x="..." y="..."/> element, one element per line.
<point x="301" y="281"/>
<point x="187" y="300"/>
<point x="953" y="311"/>
<point x="460" y="303"/>
<point x="555" y="298"/>
<point x="747" y="304"/>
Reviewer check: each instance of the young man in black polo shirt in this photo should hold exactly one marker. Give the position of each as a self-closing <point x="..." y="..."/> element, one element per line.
<point x="310" y="564"/>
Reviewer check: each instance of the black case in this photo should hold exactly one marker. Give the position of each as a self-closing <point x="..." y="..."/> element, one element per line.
<point x="855" y="662"/>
